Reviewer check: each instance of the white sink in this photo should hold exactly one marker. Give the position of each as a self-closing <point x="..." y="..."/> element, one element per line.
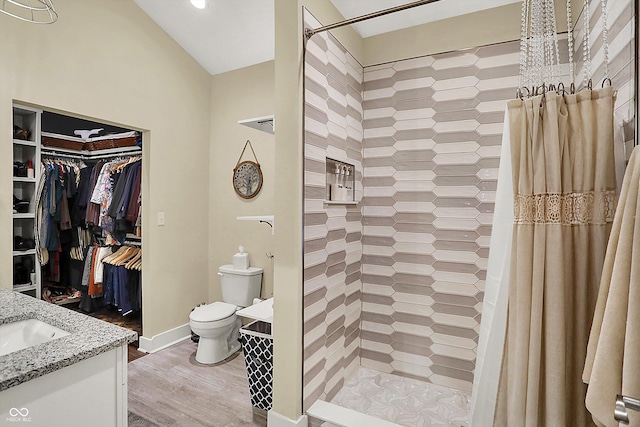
<point x="26" y="333"/>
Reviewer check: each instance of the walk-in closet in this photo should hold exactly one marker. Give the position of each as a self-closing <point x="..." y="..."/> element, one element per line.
<point x="77" y="214"/>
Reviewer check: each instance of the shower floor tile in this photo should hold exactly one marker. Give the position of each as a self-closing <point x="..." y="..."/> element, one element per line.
<point x="404" y="401"/>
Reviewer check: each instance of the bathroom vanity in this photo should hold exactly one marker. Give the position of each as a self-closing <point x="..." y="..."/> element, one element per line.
<point x="63" y="368"/>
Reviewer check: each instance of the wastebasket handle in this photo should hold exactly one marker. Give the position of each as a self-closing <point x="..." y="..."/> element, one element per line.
<point x="259" y="361"/>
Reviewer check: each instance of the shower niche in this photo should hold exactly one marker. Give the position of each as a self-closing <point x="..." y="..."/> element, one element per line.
<point x="340" y="182"/>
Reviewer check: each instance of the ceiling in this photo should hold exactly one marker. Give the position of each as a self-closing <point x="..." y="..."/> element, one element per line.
<point x="232" y="34"/>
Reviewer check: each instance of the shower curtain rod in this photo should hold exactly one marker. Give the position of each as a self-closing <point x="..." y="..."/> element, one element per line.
<point x="309" y="32"/>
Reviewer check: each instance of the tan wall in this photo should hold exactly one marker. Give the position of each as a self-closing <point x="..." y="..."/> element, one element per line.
<point x="108" y="60"/>
<point x="238" y="95"/>
<point x="490" y="26"/>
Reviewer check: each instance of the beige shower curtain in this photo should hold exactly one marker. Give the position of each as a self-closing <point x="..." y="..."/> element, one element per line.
<point x="565" y="194"/>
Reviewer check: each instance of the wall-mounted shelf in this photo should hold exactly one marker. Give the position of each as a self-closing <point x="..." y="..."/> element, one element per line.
<point x="267" y="219"/>
<point x="265" y="123"/>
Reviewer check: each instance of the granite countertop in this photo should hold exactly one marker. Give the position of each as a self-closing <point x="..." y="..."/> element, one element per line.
<point x="87" y="337"/>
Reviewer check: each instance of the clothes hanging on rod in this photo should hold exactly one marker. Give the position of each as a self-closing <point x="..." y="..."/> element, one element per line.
<point x="115" y="196"/>
<point x="105" y="194"/>
<point x="80" y="201"/>
<point x="112" y="276"/>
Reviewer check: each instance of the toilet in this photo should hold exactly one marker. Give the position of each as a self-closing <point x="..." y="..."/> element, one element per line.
<point x="217" y="323"/>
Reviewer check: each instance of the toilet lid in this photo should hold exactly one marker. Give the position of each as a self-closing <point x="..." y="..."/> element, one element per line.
<point x="211" y="312"/>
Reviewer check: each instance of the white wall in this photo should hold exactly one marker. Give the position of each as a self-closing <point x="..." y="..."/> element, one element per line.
<point x="107" y="60"/>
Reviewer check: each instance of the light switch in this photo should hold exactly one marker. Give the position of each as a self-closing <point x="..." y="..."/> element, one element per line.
<point x="160" y="218"/>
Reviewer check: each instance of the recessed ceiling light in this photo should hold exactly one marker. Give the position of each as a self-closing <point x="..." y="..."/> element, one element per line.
<point x="200" y="4"/>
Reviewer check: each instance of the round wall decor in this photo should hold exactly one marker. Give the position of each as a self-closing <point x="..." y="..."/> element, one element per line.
<point x="247" y="176"/>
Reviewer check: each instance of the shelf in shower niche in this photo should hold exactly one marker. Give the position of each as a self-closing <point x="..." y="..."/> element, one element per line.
<point x="340" y="182"/>
<point x="340" y="202"/>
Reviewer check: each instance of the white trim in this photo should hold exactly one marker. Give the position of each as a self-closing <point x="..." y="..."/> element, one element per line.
<point x="344" y="417"/>
<point x="274" y="419"/>
<point x="165" y="339"/>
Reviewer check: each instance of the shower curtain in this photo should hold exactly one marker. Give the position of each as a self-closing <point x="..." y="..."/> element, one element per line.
<point x="494" y="304"/>
<point x="564" y="199"/>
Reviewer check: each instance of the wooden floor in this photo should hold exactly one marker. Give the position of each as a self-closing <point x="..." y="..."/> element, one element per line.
<point x="170" y="388"/>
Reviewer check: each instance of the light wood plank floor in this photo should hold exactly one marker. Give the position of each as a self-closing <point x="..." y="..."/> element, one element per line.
<point x="171" y="389"/>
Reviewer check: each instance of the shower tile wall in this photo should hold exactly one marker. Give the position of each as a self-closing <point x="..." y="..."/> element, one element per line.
<point x="332" y="233"/>
<point x="621" y="58"/>
<point x="396" y="283"/>
<point x="432" y="135"/>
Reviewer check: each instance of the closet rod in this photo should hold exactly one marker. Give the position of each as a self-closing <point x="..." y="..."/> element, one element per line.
<point x="309" y="32"/>
<point x="54" y="154"/>
<point x="83" y="157"/>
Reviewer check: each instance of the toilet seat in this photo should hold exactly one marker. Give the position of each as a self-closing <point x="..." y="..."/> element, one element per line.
<point x="212" y="312"/>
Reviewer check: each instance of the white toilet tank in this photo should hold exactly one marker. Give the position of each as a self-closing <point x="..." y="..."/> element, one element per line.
<point x="240" y="287"/>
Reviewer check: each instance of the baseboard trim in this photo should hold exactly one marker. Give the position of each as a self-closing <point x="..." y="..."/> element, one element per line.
<point x="343" y="417"/>
<point x="275" y="419"/>
<point x="164" y="339"/>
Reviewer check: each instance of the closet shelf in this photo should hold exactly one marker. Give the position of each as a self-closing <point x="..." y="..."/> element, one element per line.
<point x="24" y="142"/>
<point x="23" y="179"/>
<point x="20" y="253"/>
<point x="67" y="301"/>
<point x="24" y="215"/>
<point x="23" y="288"/>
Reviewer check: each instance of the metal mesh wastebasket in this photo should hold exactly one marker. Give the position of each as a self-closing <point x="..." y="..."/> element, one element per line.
<point x="257" y="346"/>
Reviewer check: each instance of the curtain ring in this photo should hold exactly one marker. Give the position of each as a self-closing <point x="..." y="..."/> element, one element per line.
<point x="572" y="88"/>
<point x="541" y="90"/>
<point x="520" y="93"/>
<point x="560" y="89"/>
<point x="590" y="84"/>
<point x="607" y="79"/>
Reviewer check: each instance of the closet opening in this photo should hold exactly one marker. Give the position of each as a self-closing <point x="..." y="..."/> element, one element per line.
<point x="85" y="204"/>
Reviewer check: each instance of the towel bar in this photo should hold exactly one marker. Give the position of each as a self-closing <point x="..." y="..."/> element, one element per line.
<point x="622" y="404"/>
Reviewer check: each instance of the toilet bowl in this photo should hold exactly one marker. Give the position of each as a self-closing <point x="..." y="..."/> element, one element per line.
<point x="218" y="328"/>
<point x="217" y="323"/>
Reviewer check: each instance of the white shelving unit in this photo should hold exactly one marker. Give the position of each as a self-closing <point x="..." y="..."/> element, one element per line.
<point x="24" y="188"/>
